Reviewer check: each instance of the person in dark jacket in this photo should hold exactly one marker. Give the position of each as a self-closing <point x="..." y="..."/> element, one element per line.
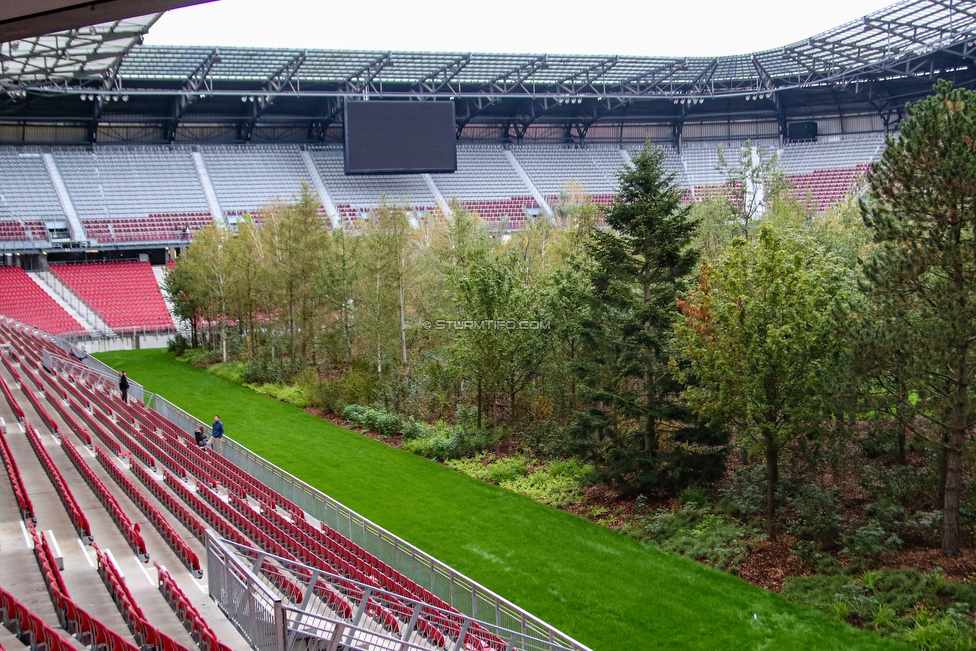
<point x="124" y="386"/>
<point x="217" y="435"/>
<point x="201" y="437"/>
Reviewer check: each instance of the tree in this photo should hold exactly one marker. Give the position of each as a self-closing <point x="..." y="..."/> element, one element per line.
<point x="639" y="264"/>
<point x="181" y="287"/>
<point x="922" y="272"/>
<point x="753" y="183"/>
<point x="296" y="239"/>
<point x="759" y="339"/>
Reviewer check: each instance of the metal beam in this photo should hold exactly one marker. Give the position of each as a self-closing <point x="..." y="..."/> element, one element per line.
<point x="441" y="78"/>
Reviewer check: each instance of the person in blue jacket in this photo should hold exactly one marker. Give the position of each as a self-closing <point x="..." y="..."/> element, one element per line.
<point x="217" y="434"/>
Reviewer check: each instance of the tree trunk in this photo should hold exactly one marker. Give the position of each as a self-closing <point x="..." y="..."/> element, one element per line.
<point x="902" y="436"/>
<point x="953" y="463"/>
<point x="943" y="467"/>
<point x="772" y="476"/>
<point x="650" y="423"/>
<point x="403" y="321"/>
<point x="479" y="403"/>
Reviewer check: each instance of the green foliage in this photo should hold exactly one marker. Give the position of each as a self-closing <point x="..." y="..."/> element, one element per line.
<point x="177" y="345"/>
<point x="450" y="442"/>
<point x="904" y="604"/>
<point x="490" y="469"/>
<point x="917" y="335"/>
<point x="556" y="484"/>
<point x="695" y="532"/>
<point x="232" y="371"/>
<point x="816" y="514"/>
<point x="742" y="491"/>
<point x="759" y="341"/>
<point x="267" y="371"/>
<point x="871" y="541"/>
<point x="638" y="266"/>
<point x="693" y="496"/>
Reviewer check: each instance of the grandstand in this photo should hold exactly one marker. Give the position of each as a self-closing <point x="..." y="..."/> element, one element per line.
<point x="113" y="464"/>
<point x="152" y="196"/>
<point x="125" y="294"/>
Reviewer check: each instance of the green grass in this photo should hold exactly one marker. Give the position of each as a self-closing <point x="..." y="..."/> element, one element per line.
<point x="608" y="591"/>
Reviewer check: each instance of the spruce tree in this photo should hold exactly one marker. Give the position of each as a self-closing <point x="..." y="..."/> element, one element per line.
<point x="639" y="264"/>
<point x="922" y="273"/>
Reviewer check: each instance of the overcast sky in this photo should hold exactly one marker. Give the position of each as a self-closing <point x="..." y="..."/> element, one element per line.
<point x="673" y="28"/>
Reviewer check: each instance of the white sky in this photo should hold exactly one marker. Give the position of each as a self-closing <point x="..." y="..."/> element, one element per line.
<point x="675" y="28"/>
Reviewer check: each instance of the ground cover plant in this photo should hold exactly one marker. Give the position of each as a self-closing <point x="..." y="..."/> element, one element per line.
<point x="605" y="589"/>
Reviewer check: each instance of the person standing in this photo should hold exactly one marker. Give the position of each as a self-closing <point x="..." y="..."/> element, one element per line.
<point x="124" y="386"/>
<point x="217" y="435"/>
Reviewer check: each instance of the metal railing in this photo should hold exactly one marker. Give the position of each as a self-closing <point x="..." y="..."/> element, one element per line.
<point x="466" y="595"/>
<point x="92" y="369"/>
<point x="252" y="607"/>
<point x="314" y="623"/>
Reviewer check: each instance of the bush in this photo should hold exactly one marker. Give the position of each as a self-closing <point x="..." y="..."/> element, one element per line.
<point x="693" y="496"/>
<point x="696" y="533"/>
<point x="871" y="541"/>
<point x="491" y="470"/>
<point x="279" y="371"/>
<point x="414" y="429"/>
<point x="232" y="371"/>
<point x="816" y="514"/>
<point x="744" y="492"/>
<point x="284" y="392"/>
<point x="450" y="442"/>
<point x="558" y="484"/>
<point x="177" y="345"/>
<point x="354" y="413"/>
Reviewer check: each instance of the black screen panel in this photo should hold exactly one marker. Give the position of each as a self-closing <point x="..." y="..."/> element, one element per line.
<point x="802" y="130"/>
<point x="399" y="137"/>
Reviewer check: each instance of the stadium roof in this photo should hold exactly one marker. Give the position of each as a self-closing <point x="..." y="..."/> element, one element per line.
<point x="30" y="18"/>
<point x="880" y="62"/>
<point x="85" y="53"/>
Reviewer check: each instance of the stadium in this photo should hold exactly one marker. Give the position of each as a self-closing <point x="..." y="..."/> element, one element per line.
<point x="114" y="154"/>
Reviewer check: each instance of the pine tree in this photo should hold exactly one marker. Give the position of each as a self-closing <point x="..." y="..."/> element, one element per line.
<point x="922" y="273"/>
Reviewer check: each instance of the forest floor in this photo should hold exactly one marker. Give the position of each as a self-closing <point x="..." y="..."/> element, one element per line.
<point x="765" y="563"/>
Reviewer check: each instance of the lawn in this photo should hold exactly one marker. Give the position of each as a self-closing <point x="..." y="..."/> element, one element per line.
<point x="604" y="589"/>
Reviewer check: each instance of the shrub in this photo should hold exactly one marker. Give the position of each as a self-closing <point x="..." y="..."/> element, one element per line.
<point x="697" y="533"/>
<point x="354" y="413"/>
<point x="743" y="493"/>
<point x="384" y="422"/>
<point x="450" y="442"/>
<point x="557" y="484"/>
<point x="491" y="470"/>
<point x="871" y="541"/>
<point x="177" y="345"/>
<point x="693" y="496"/>
<point x="414" y="429"/>
<point x="231" y="371"/>
<point x="816" y="514"/>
